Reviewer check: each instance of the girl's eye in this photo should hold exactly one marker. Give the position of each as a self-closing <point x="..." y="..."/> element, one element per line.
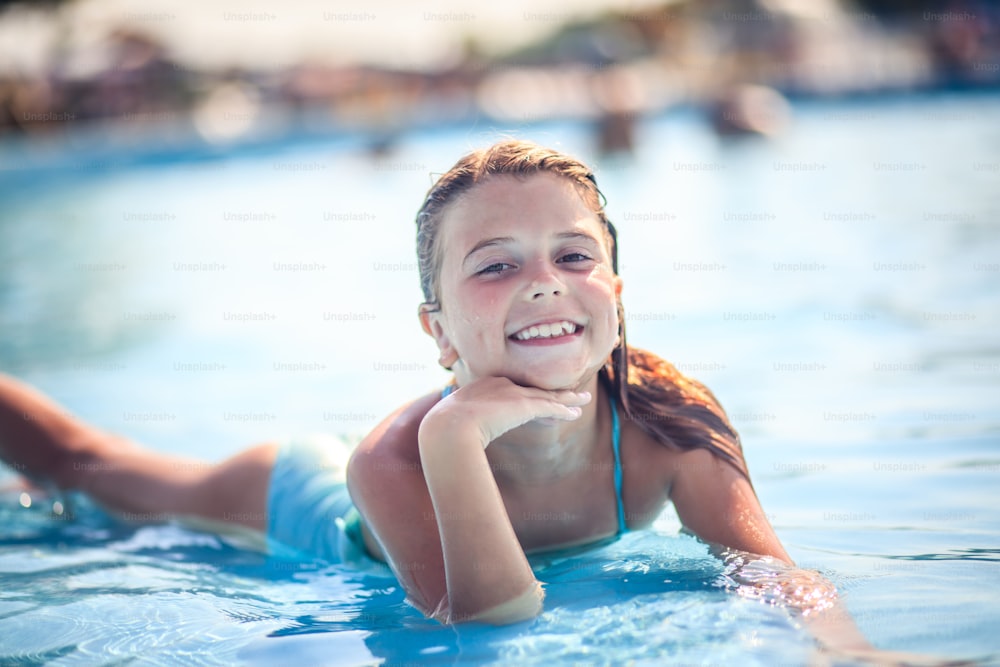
<point x="574" y="257"/>
<point x="496" y="267"/>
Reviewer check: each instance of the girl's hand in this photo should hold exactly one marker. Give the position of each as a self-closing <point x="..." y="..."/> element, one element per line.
<point x="491" y="406"/>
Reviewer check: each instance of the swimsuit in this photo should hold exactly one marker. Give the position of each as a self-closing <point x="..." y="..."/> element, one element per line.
<point x="309" y="509"/>
<point x="308" y="506"/>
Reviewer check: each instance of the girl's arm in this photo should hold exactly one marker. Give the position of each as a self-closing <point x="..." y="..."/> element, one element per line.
<point x="440" y="520"/>
<point x="488" y="576"/>
<point x="717" y="504"/>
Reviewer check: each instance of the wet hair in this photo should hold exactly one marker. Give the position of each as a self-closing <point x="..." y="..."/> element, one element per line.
<point x="677" y="411"/>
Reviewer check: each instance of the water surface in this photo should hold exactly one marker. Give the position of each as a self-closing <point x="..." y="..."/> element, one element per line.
<point x="835" y="287"/>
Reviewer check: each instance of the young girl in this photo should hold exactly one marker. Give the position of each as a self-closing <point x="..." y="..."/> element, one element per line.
<point x="554" y="432"/>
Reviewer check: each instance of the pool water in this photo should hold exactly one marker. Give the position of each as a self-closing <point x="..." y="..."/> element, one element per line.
<point x="163" y="594"/>
<point x="836" y="288"/>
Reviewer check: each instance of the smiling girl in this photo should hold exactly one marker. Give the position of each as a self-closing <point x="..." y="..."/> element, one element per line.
<point x="543" y="444"/>
<point x="554" y="432"/>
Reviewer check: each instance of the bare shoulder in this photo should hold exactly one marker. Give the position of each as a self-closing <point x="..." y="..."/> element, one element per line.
<point x="665" y="463"/>
<point x="389" y="454"/>
<point x="647" y="471"/>
<point x="396" y="435"/>
<point x="386" y="483"/>
<point x="712" y="498"/>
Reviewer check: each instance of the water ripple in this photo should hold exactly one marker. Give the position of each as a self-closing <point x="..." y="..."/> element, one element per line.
<point x="970" y="554"/>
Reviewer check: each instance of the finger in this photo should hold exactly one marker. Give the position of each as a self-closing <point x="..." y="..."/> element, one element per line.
<point x="558" y="410"/>
<point x="576" y="397"/>
<point x="559" y="413"/>
<point x="573" y="412"/>
<point x="564" y="396"/>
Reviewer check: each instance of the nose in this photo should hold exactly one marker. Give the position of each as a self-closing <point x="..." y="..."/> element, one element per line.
<point x="544" y="282"/>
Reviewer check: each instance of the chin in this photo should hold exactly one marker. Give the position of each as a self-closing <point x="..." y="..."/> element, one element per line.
<point x="552" y="380"/>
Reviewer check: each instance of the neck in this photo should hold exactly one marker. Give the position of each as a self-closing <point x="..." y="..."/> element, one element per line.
<point x="542" y="451"/>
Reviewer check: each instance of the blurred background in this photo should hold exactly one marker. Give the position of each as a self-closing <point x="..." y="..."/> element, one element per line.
<point x="206" y="228"/>
<point x="238" y="71"/>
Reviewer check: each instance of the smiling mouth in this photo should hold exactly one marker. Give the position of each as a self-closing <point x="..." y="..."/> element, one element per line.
<point x="547" y="331"/>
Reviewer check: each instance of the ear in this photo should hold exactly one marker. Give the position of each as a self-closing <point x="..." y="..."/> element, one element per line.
<point x="430" y="322"/>
<point x="618" y="286"/>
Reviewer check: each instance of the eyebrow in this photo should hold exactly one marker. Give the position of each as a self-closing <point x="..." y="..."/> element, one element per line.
<point x="504" y="240"/>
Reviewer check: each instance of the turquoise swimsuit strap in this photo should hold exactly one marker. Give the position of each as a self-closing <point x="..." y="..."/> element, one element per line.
<point x="616" y="448"/>
<point x="616" y="444"/>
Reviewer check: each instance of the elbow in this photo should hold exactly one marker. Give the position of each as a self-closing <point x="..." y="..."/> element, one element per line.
<point x="523" y="607"/>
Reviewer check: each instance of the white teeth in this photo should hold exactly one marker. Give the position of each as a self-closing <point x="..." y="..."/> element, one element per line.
<point x="546" y="330"/>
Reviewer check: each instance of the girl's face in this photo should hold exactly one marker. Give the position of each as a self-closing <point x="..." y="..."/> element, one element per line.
<point x="526" y="288"/>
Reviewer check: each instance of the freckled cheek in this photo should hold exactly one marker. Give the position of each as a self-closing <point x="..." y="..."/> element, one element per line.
<point x="604" y="300"/>
<point x="610" y="326"/>
<point x="481" y="321"/>
<point x="602" y="278"/>
<point x="482" y="300"/>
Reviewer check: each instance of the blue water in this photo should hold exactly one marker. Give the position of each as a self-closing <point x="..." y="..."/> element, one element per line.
<point x="836" y="287"/>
